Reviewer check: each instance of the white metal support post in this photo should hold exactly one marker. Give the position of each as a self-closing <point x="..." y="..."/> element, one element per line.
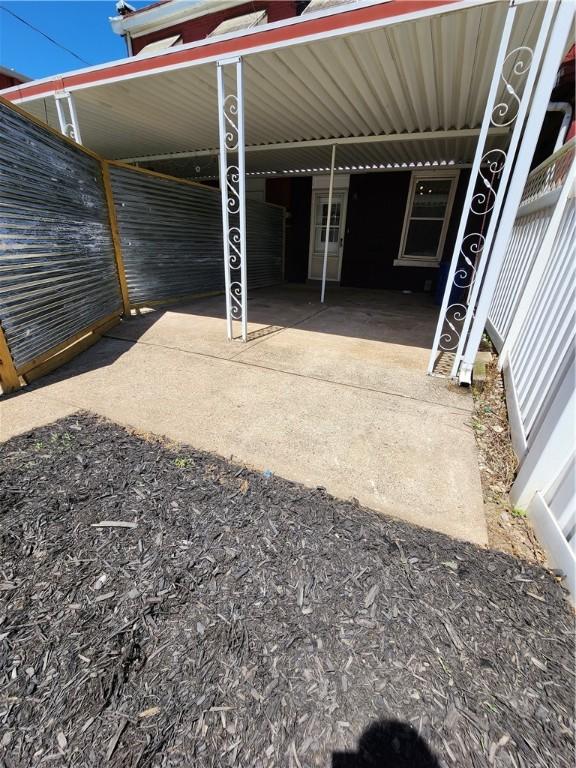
<point x="529" y="64"/>
<point x="328" y="216"/>
<point x="233" y="193"/>
<point x="551" y="61"/>
<point x="461" y="272"/>
<point x="69" y="125"/>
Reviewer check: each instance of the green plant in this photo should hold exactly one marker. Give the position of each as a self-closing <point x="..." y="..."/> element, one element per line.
<point x="62" y="437"/>
<point x="181" y="463"/>
<point x="517" y="512"/>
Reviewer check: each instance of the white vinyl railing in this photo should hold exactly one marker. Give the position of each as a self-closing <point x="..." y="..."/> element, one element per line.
<point x="539" y="200"/>
<point x="532" y="322"/>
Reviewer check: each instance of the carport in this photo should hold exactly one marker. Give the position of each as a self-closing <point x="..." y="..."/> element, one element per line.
<point x="381" y="87"/>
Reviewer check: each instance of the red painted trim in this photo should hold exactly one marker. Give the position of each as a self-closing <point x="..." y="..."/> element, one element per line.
<point x="234" y="45"/>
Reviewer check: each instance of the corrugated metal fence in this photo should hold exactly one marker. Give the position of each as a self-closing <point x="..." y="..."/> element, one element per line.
<point x="83" y="240"/>
<point x="57" y="269"/>
<point x="533" y="325"/>
<point x="264" y="243"/>
<point x="171" y="237"/>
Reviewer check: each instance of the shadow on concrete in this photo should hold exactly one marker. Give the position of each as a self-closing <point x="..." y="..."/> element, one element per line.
<point x="199" y="325"/>
<point x="388" y="744"/>
<point x="374" y="315"/>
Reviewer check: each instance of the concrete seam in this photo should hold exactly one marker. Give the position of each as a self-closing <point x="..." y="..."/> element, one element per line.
<point x="290" y="373"/>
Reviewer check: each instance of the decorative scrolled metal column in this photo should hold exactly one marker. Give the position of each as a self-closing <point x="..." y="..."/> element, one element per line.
<point x="508" y="100"/>
<point x="548" y="54"/>
<point x="233" y="191"/>
<point x="67" y="116"/>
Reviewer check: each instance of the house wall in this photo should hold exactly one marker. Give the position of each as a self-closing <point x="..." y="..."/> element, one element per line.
<point x="376" y="210"/>
<point x="375" y="218"/>
<point x="197" y="29"/>
<point x="296" y="196"/>
<point x="8" y="81"/>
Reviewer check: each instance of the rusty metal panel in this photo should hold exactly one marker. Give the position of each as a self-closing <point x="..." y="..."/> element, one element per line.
<point x="57" y="267"/>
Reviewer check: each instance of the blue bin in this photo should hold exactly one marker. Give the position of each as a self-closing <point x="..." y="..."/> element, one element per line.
<point x="455" y="293"/>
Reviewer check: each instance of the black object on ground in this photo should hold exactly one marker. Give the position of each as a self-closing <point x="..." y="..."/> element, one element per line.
<point x="160" y="606"/>
<point x="388" y="744"/>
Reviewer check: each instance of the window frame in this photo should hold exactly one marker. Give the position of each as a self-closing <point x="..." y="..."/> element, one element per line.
<point x="407" y="260"/>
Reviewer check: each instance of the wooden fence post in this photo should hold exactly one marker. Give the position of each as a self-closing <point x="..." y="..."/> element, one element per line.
<point x="115" y="237"/>
<point x="8" y="375"/>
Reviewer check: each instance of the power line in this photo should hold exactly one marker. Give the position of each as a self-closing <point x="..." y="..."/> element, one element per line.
<point x="51" y="39"/>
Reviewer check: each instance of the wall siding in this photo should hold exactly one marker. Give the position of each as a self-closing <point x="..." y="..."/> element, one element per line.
<point x="375" y="218"/>
<point x="296" y="196"/>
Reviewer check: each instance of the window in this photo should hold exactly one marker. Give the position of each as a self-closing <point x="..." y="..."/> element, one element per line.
<point x="427" y="217"/>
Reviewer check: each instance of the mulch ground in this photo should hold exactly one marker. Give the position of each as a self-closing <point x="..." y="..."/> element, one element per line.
<point x="509" y="529"/>
<point x="242" y="620"/>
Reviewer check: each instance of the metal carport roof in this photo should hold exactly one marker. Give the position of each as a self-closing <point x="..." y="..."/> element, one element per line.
<point x="409" y="80"/>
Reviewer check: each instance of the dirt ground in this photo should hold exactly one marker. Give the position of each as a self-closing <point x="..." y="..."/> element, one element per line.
<point x="509" y="530"/>
<point x="163" y="607"/>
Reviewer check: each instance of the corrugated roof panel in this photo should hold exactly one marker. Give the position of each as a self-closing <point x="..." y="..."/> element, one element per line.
<point x="351" y="158"/>
<point x="417" y="76"/>
<point x="321" y="5"/>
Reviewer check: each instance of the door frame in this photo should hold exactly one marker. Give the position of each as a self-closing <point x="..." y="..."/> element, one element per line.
<point x="320" y="190"/>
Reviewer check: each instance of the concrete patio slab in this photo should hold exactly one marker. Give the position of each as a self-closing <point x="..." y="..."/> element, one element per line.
<point x="28" y="410"/>
<point x="200" y="326"/>
<point x="371" y="349"/>
<point x="399" y="447"/>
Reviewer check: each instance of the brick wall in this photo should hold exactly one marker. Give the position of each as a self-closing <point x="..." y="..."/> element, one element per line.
<point x="197" y="29"/>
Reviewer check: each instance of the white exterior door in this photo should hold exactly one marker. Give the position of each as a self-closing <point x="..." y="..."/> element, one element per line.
<point x="319" y="232"/>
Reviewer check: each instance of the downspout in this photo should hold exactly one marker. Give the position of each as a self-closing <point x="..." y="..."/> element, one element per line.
<point x="128" y="41"/>
<point x="561" y="106"/>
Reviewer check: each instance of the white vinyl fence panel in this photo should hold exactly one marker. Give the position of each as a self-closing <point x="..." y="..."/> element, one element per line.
<point x="533" y="325"/>
<point x="539" y="200"/>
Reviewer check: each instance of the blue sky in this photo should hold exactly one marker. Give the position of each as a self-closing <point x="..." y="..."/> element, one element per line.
<point x="80" y="25"/>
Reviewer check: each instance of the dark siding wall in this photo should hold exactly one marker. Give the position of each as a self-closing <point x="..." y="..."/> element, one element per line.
<point x="375" y="217"/>
<point x="376" y="209"/>
<point x="197" y="29"/>
<point x="296" y="196"/>
<point x="456" y="213"/>
<point x="376" y="206"/>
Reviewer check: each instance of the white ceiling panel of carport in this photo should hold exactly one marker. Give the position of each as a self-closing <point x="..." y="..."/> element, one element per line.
<point x="417" y="76"/>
